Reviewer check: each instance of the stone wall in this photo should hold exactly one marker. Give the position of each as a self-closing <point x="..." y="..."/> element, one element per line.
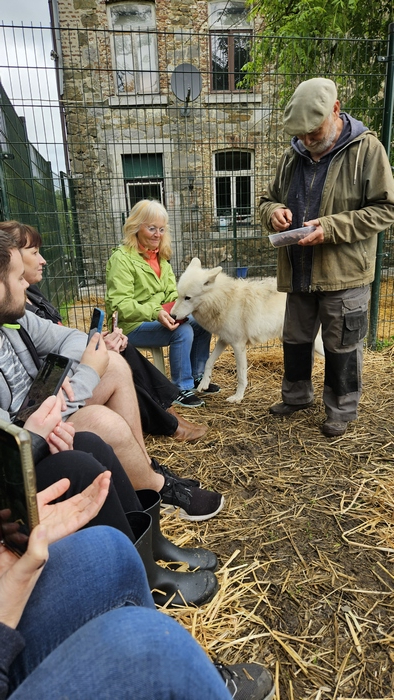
<point x="102" y="125"/>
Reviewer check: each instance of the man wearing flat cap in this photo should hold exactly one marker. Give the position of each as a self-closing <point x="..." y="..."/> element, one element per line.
<point x="335" y="176"/>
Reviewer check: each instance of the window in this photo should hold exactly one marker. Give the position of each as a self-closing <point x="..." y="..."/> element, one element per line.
<point x="230" y="38"/>
<point x="233" y="185"/>
<point x="135" y="47"/>
<point x="143" y="175"/>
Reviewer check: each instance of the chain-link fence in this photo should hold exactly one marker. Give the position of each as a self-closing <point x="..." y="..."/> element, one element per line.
<point x="169" y="115"/>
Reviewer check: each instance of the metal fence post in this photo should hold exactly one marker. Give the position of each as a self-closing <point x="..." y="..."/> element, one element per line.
<point x="388" y="107"/>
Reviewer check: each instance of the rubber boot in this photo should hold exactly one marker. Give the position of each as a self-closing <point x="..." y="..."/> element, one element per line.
<point x="195" y="558"/>
<point x="172" y="587"/>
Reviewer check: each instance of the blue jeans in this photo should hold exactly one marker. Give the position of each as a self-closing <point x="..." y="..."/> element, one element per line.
<point x="189" y="348"/>
<point x="92" y="632"/>
<point x="87" y="574"/>
<point x="126" y="653"/>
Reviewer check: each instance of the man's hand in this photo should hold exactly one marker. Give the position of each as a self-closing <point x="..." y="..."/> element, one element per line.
<point x="62" y="519"/>
<point x="281" y="219"/>
<point x="45" y="418"/>
<point x="314" y="238"/>
<point x="167" y="321"/>
<point x="19" y="576"/>
<point x="115" y="341"/>
<point x="68" y="390"/>
<point x="96" y="359"/>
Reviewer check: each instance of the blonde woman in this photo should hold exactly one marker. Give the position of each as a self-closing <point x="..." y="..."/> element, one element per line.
<point x="139" y="281"/>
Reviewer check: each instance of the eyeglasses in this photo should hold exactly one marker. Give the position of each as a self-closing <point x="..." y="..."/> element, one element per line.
<point x="154" y="229"/>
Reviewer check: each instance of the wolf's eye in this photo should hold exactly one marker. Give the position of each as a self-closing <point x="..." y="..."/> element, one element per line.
<point x="187" y="298"/>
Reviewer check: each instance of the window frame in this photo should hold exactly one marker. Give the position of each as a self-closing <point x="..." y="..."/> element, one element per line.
<point x="242" y="219"/>
<point x="136" y="69"/>
<point x="230" y="34"/>
<point x="218" y="28"/>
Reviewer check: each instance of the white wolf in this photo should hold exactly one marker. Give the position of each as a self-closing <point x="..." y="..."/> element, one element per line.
<point x="240" y="312"/>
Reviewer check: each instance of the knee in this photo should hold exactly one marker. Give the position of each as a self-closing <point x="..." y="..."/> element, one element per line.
<point x="110" y="563"/>
<point x="118" y="364"/>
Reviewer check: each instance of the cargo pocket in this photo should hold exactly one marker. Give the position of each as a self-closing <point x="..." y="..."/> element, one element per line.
<point x="355" y="327"/>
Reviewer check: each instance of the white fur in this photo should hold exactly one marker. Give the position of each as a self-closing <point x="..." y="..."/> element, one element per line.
<point x="240" y="312"/>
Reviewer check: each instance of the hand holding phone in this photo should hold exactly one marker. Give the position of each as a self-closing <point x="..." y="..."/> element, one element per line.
<point x="18" y="501"/>
<point x="48" y="382"/>
<point x="96" y="356"/>
<point x="96" y="324"/>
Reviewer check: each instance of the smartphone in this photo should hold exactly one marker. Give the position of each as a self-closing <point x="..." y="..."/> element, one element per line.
<point x="114" y="320"/>
<point x="96" y="324"/>
<point x="48" y="381"/>
<point x="18" y="499"/>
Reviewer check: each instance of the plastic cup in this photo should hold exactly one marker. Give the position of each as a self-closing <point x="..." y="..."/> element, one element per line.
<point x="290" y="237"/>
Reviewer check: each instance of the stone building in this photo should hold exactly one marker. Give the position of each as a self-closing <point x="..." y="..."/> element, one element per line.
<point x="154" y="106"/>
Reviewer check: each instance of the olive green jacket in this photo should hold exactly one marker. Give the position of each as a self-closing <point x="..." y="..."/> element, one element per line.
<point x="134" y="289"/>
<point x="357" y="202"/>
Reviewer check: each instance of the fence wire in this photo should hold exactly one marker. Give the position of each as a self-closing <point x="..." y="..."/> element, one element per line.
<point x="131" y="132"/>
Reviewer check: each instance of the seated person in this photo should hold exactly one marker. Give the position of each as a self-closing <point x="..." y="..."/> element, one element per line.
<point x="81" y="458"/>
<point x="77" y="620"/>
<point x="139" y="281"/>
<point x="102" y="398"/>
<point x="155" y="393"/>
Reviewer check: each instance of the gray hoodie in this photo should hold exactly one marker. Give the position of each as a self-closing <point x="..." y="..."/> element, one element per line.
<point x="48" y="337"/>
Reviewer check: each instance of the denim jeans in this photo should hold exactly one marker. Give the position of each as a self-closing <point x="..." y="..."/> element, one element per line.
<point x="126" y="653"/>
<point x="92" y="632"/>
<point x="87" y="574"/>
<point x="189" y="348"/>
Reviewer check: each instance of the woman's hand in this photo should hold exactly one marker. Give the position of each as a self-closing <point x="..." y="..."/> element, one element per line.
<point x="115" y="341"/>
<point x="19" y="576"/>
<point x="167" y="321"/>
<point x="45" y="418"/>
<point x="62" y="519"/>
<point x="61" y="438"/>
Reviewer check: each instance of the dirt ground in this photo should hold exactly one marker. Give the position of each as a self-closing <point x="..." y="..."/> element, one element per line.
<point x="306" y="538"/>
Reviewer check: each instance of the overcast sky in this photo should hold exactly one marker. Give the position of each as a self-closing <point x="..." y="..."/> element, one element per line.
<point x="25" y="11"/>
<point x="27" y="73"/>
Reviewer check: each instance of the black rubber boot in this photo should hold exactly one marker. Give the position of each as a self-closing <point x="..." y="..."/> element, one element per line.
<point x="181" y="588"/>
<point x="195" y="557"/>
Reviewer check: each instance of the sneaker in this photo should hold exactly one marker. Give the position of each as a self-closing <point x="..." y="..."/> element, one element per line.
<point x="194" y="504"/>
<point x="212" y="388"/>
<point x="161" y="469"/>
<point x="247" y="681"/>
<point x="188" y="399"/>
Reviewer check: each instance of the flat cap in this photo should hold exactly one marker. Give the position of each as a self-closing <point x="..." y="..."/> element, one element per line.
<point x="311" y="103"/>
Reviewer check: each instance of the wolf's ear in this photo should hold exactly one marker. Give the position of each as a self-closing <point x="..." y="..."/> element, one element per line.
<point x="212" y="274"/>
<point x="195" y="262"/>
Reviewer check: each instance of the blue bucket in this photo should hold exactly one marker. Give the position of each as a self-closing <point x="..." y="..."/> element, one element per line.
<point x="242" y="272"/>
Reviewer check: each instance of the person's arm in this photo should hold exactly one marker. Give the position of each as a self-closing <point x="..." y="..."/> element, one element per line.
<point x="18" y="576"/>
<point x="11" y="644"/>
<point x="271" y="199"/>
<point x="376" y="212"/>
<point x="127" y="283"/>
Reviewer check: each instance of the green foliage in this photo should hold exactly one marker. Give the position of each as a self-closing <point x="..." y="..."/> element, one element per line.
<point x="293" y="45"/>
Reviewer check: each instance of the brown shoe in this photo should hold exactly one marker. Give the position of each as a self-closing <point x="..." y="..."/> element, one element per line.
<point x="334" y="428"/>
<point x="187" y="431"/>
<point x="286" y="409"/>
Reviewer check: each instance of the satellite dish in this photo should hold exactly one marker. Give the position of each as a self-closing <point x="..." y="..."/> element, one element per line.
<point x="186" y="83"/>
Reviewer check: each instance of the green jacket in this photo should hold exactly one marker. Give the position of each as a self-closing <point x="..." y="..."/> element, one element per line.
<point x="357" y="202"/>
<point x="134" y="289"/>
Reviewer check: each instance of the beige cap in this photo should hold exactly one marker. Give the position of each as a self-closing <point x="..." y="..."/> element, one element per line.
<point x="311" y="103"/>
